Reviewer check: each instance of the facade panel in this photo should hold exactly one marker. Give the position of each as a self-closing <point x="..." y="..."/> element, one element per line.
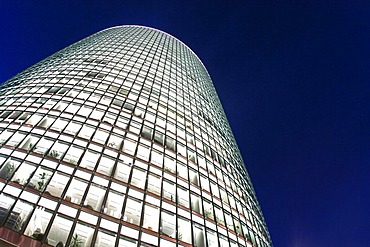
<point x="120" y="140"/>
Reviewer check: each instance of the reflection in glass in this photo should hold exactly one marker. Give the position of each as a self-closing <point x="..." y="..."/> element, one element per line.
<point x="19" y="215"/>
<point x="59" y="231"/>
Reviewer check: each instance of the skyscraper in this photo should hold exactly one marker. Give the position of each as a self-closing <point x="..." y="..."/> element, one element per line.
<point x="120" y="140"/>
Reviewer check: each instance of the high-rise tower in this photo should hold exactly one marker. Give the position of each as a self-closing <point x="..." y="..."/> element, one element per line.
<point x="120" y="140"/>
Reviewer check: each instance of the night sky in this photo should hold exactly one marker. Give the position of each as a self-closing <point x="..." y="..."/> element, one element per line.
<point x="294" y="82"/>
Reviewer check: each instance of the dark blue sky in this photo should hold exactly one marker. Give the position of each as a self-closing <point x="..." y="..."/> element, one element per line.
<point x="294" y="82"/>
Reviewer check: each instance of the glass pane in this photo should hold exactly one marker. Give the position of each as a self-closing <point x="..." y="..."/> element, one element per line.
<point x="154" y="184"/>
<point x="23" y="173"/>
<point x="105" y="239"/>
<point x="168" y="224"/>
<point x="105" y="165"/>
<point x="38" y="224"/>
<point x="43" y="146"/>
<point x="57" y="185"/>
<point x="133" y="211"/>
<point x="73" y="155"/>
<point x="76" y="190"/>
<point x="59" y="231"/>
<point x="19" y="216"/>
<point x="183" y="230"/>
<point x="114" y="204"/>
<point x="40" y="178"/>
<point x="138" y="178"/>
<point x="8" y="169"/>
<point x="5" y="203"/>
<point x="82" y="235"/>
<point x="94" y="197"/>
<point x="16" y="139"/>
<point x="122" y="172"/>
<point x="151" y="218"/>
<point x="89" y="160"/>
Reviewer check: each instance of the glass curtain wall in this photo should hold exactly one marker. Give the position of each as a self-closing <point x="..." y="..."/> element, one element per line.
<point x="120" y="140"/>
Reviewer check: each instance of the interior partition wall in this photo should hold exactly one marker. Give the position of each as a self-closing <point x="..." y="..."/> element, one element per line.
<point x="120" y="140"/>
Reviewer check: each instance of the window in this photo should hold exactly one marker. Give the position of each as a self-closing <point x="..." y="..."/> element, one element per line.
<point x="169" y="191"/>
<point x="208" y="210"/>
<point x="133" y="211"/>
<point x="170" y="143"/>
<point x="183" y="197"/>
<point x="194" y="177"/>
<point x="38" y="223"/>
<point x="159" y="137"/>
<point x="94" y="198"/>
<point x="100" y="136"/>
<point x="151" y="218"/>
<point x="118" y="103"/>
<point x="154" y="184"/>
<point x="138" y="178"/>
<point x="128" y="106"/>
<point x="5" y="135"/>
<point x="143" y="152"/>
<point x="115" y="141"/>
<point x="72" y="108"/>
<point x="85" y="111"/>
<point x="6" y="202"/>
<point x="86" y="131"/>
<point x="147" y="132"/>
<point x="19" y="216"/>
<point x="8" y="169"/>
<point x="125" y="242"/>
<point x="105" y="239"/>
<point x="25" y="116"/>
<point x="150" y="117"/>
<point x="97" y="114"/>
<point x="82" y="234"/>
<point x="105" y="165"/>
<point x="229" y="222"/>
<point x="212" y="238"/>
<point x="40" y="179"/>
<point x="215" y="190"/>
<point x="184" y="230"/>
<point x="168" y="224"/>
<point x="34" y="119"/>
<point x="16" y="139"/>
<point x="181" y="149"/>
<point x="43" y="145"/>
<point x="157" y="158"/>
<point x="169" y="164"/>
<point x="89" y="160"/>
<point x="122" y="122"/>
<point x="23" y="173"/>
<point x="129" y="147"/>
<point x="196" y="204"/>
<point x="75" y="191"/>
<point x="5" y="114"/>
<point x="59" y="125"/>
<point x="57" y="150"/>
<point x="219" y="216"/>
<point x="46" y="122"/>
<point x="57" y="184"/>
<point x="114" y="204"/>
<point x="139" y="112"/>
<point x="15" y="115"/>
<point x="73" y="155"/>
<point x="72" y="128"/>
<point x="198" y="235"/>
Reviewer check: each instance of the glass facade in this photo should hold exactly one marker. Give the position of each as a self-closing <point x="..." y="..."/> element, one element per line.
<point x="120" y="140"/>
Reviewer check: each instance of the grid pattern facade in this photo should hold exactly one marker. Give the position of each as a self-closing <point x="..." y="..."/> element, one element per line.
<point x="120" y="140"/>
